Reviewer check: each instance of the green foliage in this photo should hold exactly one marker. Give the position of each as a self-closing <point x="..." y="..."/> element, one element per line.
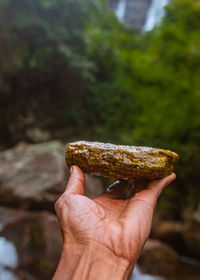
<point x="43" y="62"/>
<point x="71" y="67"/>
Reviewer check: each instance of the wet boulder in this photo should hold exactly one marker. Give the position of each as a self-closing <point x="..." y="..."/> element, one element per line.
<point x="34" y="176"/>
<point x="162" y="260"/>
<point x="170" y="232"/>
<point x="36" y="237"/>
<point x="191" y="234"/>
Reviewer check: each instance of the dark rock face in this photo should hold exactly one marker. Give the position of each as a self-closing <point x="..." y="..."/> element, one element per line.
<point x="37" y="239"/>
<point x="155" y="250"/>
<point x="34" y="176"/>
<point x="135" y="12"/>
<point x="191" y="234"/>
<point x="184" y="237"/>
<point x="160" y="259"/>
<point x="170" y="232"/>
<point x="113" y="4"/>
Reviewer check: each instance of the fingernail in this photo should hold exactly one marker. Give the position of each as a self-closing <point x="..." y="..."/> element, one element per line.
<point x="71" y="170"/>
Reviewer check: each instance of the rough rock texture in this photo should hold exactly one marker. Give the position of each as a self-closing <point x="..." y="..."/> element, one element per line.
<point x="37" y="238"/>
<point x="34" y="176"/>
<point x="160" y="259"/>
<point x="191" y="234"/>
<point x="120" y="161"/>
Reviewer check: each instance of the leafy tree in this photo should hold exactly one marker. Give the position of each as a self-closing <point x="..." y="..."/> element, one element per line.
<point x="43" y="62"/>
<point x="164" y="80"/>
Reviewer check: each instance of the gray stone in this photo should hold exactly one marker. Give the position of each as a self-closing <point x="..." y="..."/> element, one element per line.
<point x="34" y="176"/>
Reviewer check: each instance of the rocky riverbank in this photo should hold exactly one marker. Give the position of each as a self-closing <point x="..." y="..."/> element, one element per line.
<point x="32" y="177"/>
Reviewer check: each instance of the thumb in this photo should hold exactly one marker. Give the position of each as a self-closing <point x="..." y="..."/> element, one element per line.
<point x="76" y="182"/>
<point x="158" y="185"/>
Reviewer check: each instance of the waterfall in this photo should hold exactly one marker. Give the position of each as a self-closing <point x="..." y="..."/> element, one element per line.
<point x="139" y="13"/>
<point x="154" y="14"/>
<point x="121" y="10"/>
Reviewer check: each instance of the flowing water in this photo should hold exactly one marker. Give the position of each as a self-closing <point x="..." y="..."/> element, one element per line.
<point x="121" y="10"/>
<point x="154" y="14"/>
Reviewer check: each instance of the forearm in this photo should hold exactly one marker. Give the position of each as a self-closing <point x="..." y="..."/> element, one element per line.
<point x="89" y="263"/>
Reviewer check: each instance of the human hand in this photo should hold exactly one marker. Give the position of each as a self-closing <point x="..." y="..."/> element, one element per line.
<point x="104" y="237"/>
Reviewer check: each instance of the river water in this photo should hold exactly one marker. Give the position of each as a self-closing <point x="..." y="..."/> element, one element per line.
<point x="138" y="275"/>
<point x="8" y="260"/>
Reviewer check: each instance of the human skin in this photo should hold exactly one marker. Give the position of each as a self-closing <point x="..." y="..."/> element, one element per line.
<point x="103" y="237"/>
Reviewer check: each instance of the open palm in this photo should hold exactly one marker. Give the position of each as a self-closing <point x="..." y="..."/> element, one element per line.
<point x="120" y="226"/>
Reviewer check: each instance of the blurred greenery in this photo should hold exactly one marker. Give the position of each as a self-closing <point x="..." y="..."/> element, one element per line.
<point x="70" y="67"/>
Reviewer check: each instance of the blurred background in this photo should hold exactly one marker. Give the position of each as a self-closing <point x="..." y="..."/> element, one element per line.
<point x="119" y="71"/>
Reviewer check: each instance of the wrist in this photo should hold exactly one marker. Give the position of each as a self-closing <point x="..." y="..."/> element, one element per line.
<point x="91" y="262"/>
